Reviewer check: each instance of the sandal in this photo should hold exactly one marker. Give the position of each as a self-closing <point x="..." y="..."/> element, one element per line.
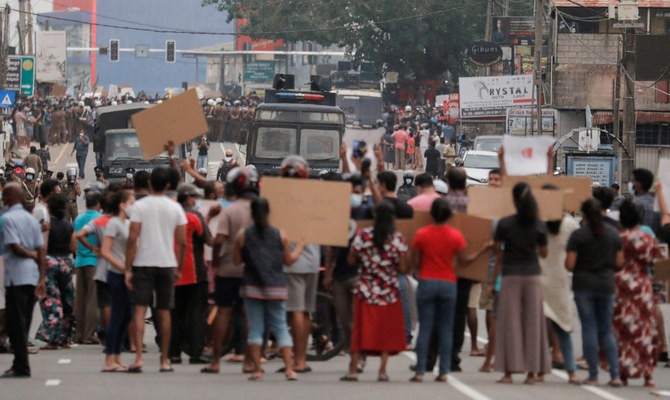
<point x="49" y="347"/>
<point x="209" y="370"/>
<point x="416" y="378"/>
<point x="441" y="378"/>
<point x="590" y="382"/>
<point x="478" y="353"/>
<point x="256" y="376"/>
<point x="383" y="378"/>
<point x="349" y="378"/>
<point x="615" y="383"/>
<point x="291" y="376"/>
<point x="486" y="369"/>
<point x="505" y="380"/>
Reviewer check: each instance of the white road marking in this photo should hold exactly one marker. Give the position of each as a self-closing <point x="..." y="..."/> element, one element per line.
<point x="455" y="383"/>
<point x="64" y="361"/>
<point x="561" y="374"/>
<point x="52" y="382"/>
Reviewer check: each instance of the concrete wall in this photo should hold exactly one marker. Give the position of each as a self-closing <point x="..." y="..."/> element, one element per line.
<point x="587" y="48"/>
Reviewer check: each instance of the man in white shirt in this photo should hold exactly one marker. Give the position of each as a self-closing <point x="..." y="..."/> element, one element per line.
<point x="156" y="223"/>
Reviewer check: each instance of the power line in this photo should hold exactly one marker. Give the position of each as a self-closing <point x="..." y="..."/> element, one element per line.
<point x="185" y="32"/>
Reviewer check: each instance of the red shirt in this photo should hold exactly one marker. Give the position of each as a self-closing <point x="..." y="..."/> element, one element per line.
<point x="410" y="145"/>
<point x="438" y="246"/>
<point x="188" y="276"/>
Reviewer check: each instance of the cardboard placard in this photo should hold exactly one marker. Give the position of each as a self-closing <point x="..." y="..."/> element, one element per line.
<point x="178" y="119"/>
<point x="317" y="211"/>
<point x="577" y="188"/>
<point x="495" y="203"/>
<point x="58" y="91"/>
<point x="476" y="230"/>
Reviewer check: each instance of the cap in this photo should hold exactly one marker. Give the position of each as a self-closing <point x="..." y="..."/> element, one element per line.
<point x="229" y="153"/>
<point x="188" y="189"/>
<point x="98" y="169"/>
<point x="130" y="170"/>
<point x="440" y="186"/>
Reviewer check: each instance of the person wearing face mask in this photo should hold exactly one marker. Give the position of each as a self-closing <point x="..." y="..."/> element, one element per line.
<point x="188" y="314"/>
<point x="30" y="185"/>
<point x="100" y="176"/>
<point x="407" y="190"/>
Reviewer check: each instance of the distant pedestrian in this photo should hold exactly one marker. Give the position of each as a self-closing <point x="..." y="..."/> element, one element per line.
<point x="203" y="151"/>
<point x="25" y="275"/>
<point x="400" y="138"/>
<point x="81" y="145"/>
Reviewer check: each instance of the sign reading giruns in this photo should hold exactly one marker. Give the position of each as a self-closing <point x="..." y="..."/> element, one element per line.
<point x="484" y="53"/>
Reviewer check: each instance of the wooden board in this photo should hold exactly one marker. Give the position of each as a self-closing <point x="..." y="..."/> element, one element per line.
<point x="317" y="211"/>
<point x="178" y="119"/>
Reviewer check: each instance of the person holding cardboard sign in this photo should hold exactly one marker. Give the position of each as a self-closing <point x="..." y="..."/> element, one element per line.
<point x="435" y="248"/>
<point x="521" y="342"/>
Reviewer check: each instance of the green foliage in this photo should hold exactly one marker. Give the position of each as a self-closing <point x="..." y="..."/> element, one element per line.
<point x="418" y="38"/>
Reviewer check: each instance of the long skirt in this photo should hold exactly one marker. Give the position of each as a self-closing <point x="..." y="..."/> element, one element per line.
<point x="57" y="307"/>
<point x="378" y="329"/>
<point x="521" y="342"/>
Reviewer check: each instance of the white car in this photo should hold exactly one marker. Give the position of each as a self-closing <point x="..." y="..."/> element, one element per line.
<point x="477" y="165"/>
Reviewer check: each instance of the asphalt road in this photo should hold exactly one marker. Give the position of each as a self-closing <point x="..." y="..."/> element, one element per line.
<point x="74" y="374"/>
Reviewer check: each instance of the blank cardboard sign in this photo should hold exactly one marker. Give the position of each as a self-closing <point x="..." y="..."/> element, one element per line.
<point x="577" y="188"/>
<point x="477" y="232"/>
<point x="317" y="211"/>
<point x="495" y="203"/>
<point x="178" y="119"/>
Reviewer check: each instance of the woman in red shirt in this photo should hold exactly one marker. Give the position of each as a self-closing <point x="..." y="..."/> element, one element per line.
<point x="435" y="247"/>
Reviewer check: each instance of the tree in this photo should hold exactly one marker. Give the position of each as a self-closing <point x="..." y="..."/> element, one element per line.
<point x="418" y="38"/>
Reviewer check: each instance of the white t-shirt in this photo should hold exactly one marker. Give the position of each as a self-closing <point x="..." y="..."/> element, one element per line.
<point x="159" y="217"/>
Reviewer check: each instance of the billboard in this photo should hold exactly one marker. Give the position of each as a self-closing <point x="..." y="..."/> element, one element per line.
<point x="259" y="71"/>
<point x="51" y="56"/>
<point x="599" y="169"/>
<point x="515" y="30"/>
<point x="519" y="121"/>
<point x="491" y="96"/>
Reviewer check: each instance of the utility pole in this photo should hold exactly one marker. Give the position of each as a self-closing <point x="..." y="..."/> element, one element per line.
<point x="489" y="12"/>
<point x="29" y="31"/>
<point x="4" y="45"/>
<point x="616" y="108"/>
<point x="628" y="137"/>
<point x="537" y="68"/>
<point x="21" y="27"/>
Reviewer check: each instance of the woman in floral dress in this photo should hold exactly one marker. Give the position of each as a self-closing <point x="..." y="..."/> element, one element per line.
<point x="378" y="327"/>
<point x="57" y="324"/>
<point x="634" y="309"/>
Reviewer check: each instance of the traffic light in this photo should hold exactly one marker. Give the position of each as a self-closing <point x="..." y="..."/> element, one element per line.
<point x="114" y="50"/>
<point x="170" y="51"/>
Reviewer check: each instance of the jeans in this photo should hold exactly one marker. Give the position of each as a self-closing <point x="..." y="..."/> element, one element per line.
<point x="81" y="162"/>
<point x="595" y="313"/>
<point x="121" y="313"/>
<point x="406" y="312"/>
<point x="436" y="303"/>
<point x="201" y="162"/>
<point x="565" y="343"/>
<point x="20" y="301"/>
<point x="271" y="313"/>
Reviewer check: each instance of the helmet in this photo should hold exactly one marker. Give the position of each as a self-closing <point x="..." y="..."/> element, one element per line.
<point x="408" y="109"/>
<point x="159" y="102"/>
<point x="98" y="103"/>
<point x="71" y="172"/>
<point x="294" y="167"/>
<point x="81" y="104"/>
<point x="242" y="179"/>
<point x="114" y="102"/>
<point x="211" y="102"/>
<point x="30" y="170"/>
<point x="408" y="177"/>
<point x="218" y="100"/>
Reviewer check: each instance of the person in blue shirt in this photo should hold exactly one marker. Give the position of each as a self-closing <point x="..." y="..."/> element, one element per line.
<point x="24" y="255"/>
<point x="85" y="304"/>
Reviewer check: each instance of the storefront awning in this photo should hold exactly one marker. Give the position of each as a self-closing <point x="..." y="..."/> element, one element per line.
<point x="641" y="117"/>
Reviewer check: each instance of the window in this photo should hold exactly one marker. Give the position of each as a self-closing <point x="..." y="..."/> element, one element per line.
<point x="123" y="145"/>
<point x="653" y="134"/>
<point x="276" y="142"/>
<point x="321" y="117"/>
<point x="319" y="144"/>
<point x="273" y="115"/>
<point x="481" y="161"/>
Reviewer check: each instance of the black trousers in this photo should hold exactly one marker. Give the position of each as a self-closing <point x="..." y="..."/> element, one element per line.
<point x="20" y="302"/>
<point x="189" y="320"/>
<point x="463" y="287"/>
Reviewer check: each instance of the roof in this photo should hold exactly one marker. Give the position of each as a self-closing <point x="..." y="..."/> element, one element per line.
<point x="606" y="3"/>
<point x="121" y="107"/>
<point x="303" y="107"/>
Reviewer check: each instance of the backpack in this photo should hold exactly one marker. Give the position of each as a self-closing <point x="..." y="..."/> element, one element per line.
<point x="224" y="168"/>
